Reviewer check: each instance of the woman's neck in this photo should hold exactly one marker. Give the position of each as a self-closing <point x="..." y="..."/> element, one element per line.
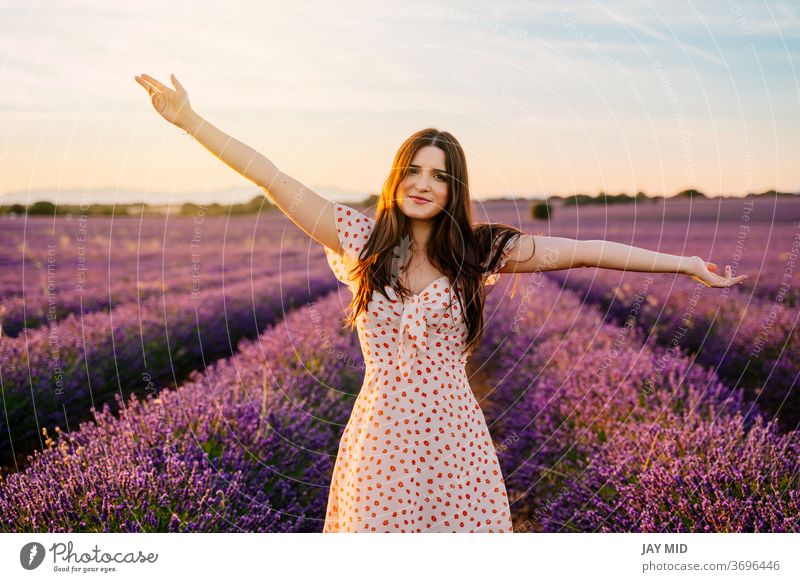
<point x="420" y="235"/>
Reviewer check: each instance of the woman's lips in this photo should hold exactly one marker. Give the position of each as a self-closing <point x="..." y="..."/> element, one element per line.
<point x="419" y="199"/>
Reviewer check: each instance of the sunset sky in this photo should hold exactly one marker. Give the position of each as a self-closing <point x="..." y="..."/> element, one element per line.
<point x="617" y="96"/>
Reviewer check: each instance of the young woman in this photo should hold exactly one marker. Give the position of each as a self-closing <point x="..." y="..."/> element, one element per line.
<point x="416" y="455"/>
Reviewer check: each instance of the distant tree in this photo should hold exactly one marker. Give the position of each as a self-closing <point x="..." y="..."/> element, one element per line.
<point x="189" y="209"/>
<point x="601" y="198"/>
<point x="604" y="198"/>
<point x="541" y="210"/>
<point x="215" y="209"/>
<point x="259" y="204"/>
<point x="577" y="200"/>
<point x="18" y="209"/>
<point x="42" y="207"/>
<point x="690" y="193"/>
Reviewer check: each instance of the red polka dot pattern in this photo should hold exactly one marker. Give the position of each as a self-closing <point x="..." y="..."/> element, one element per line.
<point x="416" y="454"/>
<point x="492" y="277"/>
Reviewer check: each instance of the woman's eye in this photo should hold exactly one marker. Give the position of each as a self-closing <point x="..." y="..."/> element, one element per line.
<point x="440" y="177"/>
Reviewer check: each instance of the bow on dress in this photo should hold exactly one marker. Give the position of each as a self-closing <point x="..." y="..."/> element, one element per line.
<point x="413" y="329"/>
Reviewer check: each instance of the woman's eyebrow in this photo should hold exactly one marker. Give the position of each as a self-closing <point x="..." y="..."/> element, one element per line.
<point x="434" y="169"/>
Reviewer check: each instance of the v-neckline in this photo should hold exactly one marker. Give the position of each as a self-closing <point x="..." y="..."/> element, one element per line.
<point x="428" y="286"/>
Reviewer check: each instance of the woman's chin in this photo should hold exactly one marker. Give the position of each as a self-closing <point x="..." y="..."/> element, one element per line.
<point x="420" y="213"/>
<point x="414" y="209"/>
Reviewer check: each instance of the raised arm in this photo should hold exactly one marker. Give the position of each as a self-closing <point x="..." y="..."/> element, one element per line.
<point x="552" y="253"/>
<point x="307" y="209"/>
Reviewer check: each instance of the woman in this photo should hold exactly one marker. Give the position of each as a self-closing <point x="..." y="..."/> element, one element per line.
<point x="416" y="455"/>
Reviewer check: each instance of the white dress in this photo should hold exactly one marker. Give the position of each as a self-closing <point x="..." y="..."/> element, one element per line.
<point x="416" y="454"/>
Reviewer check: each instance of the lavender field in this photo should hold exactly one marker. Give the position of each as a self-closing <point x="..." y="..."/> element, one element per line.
<point x="109" y="307"/>
<point x="611" y="410"/>
<point x="748" y="334"/>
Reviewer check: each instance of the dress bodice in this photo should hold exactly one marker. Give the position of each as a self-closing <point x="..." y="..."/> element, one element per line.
<point x="426" y="328"/>
<point x="428" y="325"/>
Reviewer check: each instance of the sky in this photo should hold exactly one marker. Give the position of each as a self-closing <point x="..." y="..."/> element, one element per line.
<point x="617" y="97"/>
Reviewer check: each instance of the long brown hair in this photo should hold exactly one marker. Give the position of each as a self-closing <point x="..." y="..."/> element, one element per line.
<point x="457" y="248"/>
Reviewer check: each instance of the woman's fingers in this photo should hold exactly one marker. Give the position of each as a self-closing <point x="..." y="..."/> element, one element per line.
<point x="177" y="83"/>
<point x="730" y="282"/>
<point x="144" y="84"/>
<point x="152" y="90"/>
<point x="155" y="82"/>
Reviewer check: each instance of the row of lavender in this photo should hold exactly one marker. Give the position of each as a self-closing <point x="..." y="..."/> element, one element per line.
<point x="599" y="430"/>
<point x="39" y="306"/>
<point x="748" y="334"/>
<point x="55" y="375"/>
<point x="751" y="342"/>
<point x="249" y="445"/>
<point x="123" y="246"/>
<point x="51" y="268"/>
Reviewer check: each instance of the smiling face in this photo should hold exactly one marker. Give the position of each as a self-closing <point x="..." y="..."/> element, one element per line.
<point x="422" y="194"/>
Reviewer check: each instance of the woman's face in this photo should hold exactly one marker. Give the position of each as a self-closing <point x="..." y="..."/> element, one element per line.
<point x="422" y="194"/>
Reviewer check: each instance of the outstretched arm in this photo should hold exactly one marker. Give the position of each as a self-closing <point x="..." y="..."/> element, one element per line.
<point x="307" y="209"/>
<point x="552" y="253"/>
<point x="614" y="255"/>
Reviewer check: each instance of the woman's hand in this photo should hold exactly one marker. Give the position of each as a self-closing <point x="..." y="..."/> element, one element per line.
<point x="172" y="105"/>
<point x="704" y="272"/>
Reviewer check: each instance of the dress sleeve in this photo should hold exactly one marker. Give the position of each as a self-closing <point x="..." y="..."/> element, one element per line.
<point x="491" y="277"/>
<point x="353" y="228"/>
